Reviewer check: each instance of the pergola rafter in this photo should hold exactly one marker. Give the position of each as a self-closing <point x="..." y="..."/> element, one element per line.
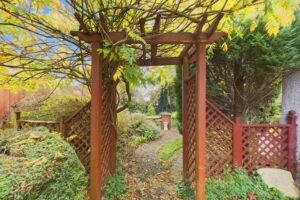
<point x="155" y="38"/>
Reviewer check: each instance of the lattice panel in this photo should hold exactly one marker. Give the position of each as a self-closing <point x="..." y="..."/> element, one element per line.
<point x="219" y="133"/>
<point x="191" y="130"/>
<point x="77" y="132"/>
<point x="265" y="146"/>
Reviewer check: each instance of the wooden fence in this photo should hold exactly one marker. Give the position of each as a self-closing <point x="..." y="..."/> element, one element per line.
<point x="75" y="129"/>
<point x="7" y="101"/>
<point x="231" y="144"/>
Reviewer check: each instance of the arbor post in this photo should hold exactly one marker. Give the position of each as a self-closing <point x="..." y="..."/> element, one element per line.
<point x="237" y="143"/>
<point x="292" y="143"/>
<point x="17" y="119"/>
<point x="61" y="127"/>
<point x="96" y="181"/>
<point x="200" y="120"/>
<point x="185" y="76"/>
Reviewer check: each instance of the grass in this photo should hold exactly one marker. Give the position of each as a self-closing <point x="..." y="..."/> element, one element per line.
<point x="168" y="150"/>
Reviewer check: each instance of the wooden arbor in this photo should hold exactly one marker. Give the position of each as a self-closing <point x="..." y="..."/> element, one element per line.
<point x="193" y="52"/>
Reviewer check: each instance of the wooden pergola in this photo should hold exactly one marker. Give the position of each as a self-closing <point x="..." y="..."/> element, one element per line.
<point x="193" y="52"/>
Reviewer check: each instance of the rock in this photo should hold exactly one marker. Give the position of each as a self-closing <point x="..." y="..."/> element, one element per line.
<point x="281" y="180"/>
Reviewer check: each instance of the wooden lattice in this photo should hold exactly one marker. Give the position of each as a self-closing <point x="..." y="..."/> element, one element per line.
<point x="77" y="132"/>
<point x="265" y="146"/>
<point x="191" y="131"/>
<point x="219" y="133"/>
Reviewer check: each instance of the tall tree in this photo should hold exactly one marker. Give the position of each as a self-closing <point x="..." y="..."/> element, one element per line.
<point x="246" y="70"/>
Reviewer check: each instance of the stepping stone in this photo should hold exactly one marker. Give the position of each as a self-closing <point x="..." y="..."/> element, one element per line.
<point x="281" y="180"/>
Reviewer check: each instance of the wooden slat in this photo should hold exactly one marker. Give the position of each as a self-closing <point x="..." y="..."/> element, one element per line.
<point x="163" y="38"/>
<point x="159" y="61"/>
<point x="155" y="31"/>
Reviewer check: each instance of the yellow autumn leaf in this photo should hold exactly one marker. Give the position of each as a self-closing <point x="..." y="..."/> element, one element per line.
<point x="224" y="47"/>
<point x="253" y="26"/>
<point x="57" y="154"/>
<point x="118" y="73"/>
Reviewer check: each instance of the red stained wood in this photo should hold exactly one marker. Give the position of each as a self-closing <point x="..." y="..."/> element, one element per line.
<point x="185" y="77"/>
<point x="159" y="61"/>
<point x="200" y="121"/>
<point x="96" y="181"/>
<point x="237" y="143"/>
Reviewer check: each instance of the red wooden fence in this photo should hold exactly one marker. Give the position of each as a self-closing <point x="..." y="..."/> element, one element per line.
<point x="7" y="99"/>
<point x="231" y="144"/>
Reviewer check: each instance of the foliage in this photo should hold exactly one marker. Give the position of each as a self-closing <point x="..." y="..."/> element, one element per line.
<point x="246" y="78"/>
<point x="236" y="184"/>
<point x="151" y="110"/>
<point x="147" y="131"/>
<point x="136" y="129"/>
<point x="178" y="97"/>
<point x="115" y="186"/>
<point x="37" y="164"/>
<point x="168" y="150"/>
<point x="37" y="44"/>
<point x="184" y="191"/>
<point x="55" y="107"/>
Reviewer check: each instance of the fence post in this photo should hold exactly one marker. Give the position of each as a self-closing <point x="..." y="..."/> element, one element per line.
<point x="237" y="143"/>
<point x="292" y="142"/>
<point x="185" y="76"/>
<point x="61" y="127"/>
<point x="17" y="118"/>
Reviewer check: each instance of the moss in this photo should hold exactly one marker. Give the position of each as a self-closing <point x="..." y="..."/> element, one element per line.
<point x="39" y="165"/>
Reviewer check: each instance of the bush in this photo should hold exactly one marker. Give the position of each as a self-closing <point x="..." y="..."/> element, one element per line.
<point x="234" y="185"/>
<point x="184" y="191"/>
<point x="135" y="129"/>
<point x="151" y="110"/>
<point x="39" y="165"/>
<point x="237" y="184"/>
<point x="115" y="186"/>
<point x="55" y="107"/>
<point x="146" y="131"/>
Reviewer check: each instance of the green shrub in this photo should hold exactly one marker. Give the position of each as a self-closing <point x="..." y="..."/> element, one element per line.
<point x="236" y="184"/>
<point x="135" y="129"/>
<point x="184" y="191"/>
<point x="115" y="186"/>
<point x="39" y="165"/>
<point x="55" y="107"/>
<point x="151" y="110"/>
<point x="168" y="150"/>
<point x="145" y="131"/>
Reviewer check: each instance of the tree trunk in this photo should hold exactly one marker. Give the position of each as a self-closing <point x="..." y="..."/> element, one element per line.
<point x="239" y="101"/>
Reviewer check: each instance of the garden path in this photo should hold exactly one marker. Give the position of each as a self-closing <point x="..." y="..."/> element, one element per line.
<point x="149" y="178"/>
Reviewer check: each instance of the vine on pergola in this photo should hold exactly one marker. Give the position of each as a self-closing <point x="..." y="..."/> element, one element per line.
<point x="36" y="43"/>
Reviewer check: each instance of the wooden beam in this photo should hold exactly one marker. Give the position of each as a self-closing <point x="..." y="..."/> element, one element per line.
<point x="213" y="27"/>
<point x="197" y="31"/>
<point x="159" y="61"/>
<point x="96" y="173"/>
<point x="163" y="38"/>
<point x="200" y="121"/>
<point x="143" y="33"/>
<point x="155" y="31"/>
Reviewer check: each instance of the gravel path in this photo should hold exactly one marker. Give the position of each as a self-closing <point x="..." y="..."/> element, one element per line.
<point x="151" y="179"/>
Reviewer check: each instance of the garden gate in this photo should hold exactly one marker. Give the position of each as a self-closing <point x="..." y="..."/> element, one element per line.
<point x="209" y="141"/>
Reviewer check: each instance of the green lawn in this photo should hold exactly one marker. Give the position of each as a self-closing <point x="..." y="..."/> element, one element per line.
<point x="168" y="150"/>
